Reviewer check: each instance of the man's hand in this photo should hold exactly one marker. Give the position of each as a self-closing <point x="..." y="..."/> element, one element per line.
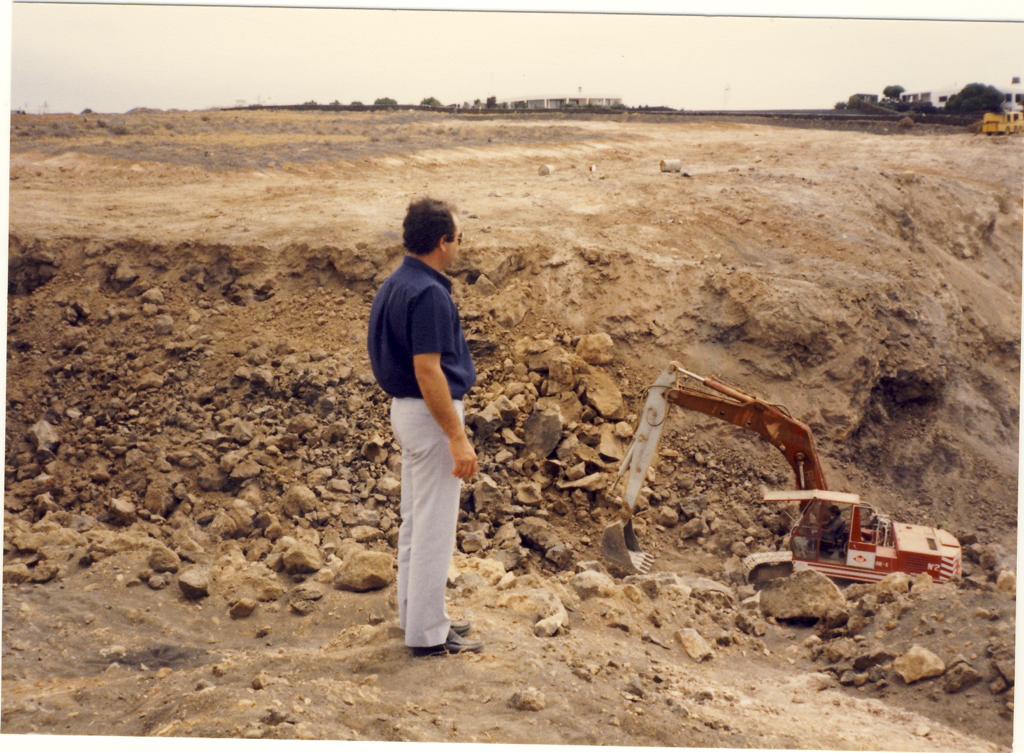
<point x="466" y="463"/>
<point x="436" y="394"/>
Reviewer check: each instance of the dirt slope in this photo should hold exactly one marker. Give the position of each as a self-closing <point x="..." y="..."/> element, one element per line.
<point x="187" y="307"/>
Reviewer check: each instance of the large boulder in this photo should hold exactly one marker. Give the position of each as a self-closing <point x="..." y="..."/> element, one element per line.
<point x="1006" y="582"/>
<point x="892" y="586"/>
<point x="489" y="569"/>
<point x="805" y="596"/>
<point x="194" y="582"/>
<point x="543" y="431"/>
<point x="528" y="699"/>
<point x="694" y="645"/>
<point x="590" y="583"/>
<point x="43" y="435"/>
<point x="537" y="533"/>
<point x="366" y="571"/>
<point x="918" y="664"/>
<point x="302" y="557"/>
<point x="961" y="676"/>
<point x="163" y="559"/>
<point x="298" y="499"/>
<point x="497" y="414"/>
<point x="596" y="349"/>
<point x="542" y="607"/>
<point x="488" y="495"/>
<point x="249" y="581"/>
<point x="484" y="422"/>
<point x="603" y="395"/>
<point x="159" y="497"/>
<point x="611" y="446"/>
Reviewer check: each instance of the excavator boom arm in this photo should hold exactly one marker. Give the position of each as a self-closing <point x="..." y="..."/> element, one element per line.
<point x="619" y="544"/>
<point x="793" y="438"/>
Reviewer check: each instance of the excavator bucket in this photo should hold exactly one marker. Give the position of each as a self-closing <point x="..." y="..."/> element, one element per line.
<point x="621" y="550"/>
<point x="619" y="546"/>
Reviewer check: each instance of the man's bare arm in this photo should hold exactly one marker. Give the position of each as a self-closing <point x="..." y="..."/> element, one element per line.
<point x="438" y="397"/>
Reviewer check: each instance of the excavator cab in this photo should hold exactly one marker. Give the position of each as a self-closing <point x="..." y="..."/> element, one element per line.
<point x="823" y="531"/>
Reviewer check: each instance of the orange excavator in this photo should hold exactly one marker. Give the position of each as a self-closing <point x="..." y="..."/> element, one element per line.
<point x="834" y="533"/>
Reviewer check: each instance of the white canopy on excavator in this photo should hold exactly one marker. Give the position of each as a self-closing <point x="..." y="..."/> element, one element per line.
<point x="799" y="495"/>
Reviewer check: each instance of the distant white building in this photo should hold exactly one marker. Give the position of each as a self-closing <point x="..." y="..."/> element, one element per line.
<point x="1013" y="96"/>
<point x="936" y="97"/>
<point x="557" y="102"/>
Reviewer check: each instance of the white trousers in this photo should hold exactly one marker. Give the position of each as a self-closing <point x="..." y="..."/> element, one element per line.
<point x="430" y="511"/>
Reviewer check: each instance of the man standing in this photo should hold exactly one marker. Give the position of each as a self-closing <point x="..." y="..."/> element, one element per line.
<point x="420" y="357"/>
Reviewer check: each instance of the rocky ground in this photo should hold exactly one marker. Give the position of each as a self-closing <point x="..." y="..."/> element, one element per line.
<point x="201" y="497"/>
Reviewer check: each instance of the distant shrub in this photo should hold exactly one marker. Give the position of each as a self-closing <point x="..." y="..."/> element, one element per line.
<point x="430" y="102"/>
<point x="86" y="111"/>
<point x="840" y="106"/>
<point x="976" y="98"/>
<point x="355" y="103"/>
<point x="385" y="101"/>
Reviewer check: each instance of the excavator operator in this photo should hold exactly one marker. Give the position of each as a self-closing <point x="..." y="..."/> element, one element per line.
<point x="835" y="533"/>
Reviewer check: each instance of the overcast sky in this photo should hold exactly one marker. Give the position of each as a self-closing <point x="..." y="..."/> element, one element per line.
<point x="113" y="58"/>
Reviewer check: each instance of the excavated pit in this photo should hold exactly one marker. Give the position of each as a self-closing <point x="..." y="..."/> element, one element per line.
<point x="186" y="344"/>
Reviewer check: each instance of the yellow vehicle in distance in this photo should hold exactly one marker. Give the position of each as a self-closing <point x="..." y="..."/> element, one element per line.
<point x="1006" y="122"/>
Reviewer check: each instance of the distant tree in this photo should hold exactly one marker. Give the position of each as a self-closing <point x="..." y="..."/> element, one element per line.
<point x="492" y="102"/>
<point x="618" y="106"/>
<point x="431" y="102"/>
<point x="854" y="102"/>
<point x="87" y="111"/>
<point x="976" y="98"/>
<point x="355" y="103"/>
<point x="840" y="106"/>
<point x="310" y="103"/>
<point x="926" y="108"/>
<point x="385" y="101"/>
<point x="335" y="103"/>
<point x="893" y="92"/>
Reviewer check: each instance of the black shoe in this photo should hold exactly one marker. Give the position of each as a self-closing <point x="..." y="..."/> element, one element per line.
<point x="462" y="627"/>
<point x="454" y="644"/>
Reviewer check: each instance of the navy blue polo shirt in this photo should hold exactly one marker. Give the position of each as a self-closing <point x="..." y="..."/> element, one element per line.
<point x="413" y="313"/>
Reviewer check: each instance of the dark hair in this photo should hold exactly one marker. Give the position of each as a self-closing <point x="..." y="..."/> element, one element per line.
<point x="427" y="221"/>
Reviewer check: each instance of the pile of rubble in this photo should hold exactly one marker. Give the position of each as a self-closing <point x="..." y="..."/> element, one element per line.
<point x="868" y="635"/>
<point x="154" y="430"/>
<point x="264" y="475"/>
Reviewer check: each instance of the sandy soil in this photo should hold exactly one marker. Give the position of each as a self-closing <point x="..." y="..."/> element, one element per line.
<point x="870" y="282"/>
